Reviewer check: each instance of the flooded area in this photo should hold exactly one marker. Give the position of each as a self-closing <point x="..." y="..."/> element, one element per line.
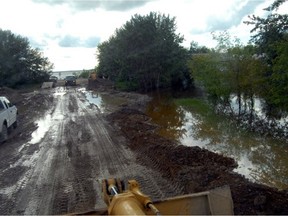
<point x="261" y="159"/>
<point x="73" y="137"/>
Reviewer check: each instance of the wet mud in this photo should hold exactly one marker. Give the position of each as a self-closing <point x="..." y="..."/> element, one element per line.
<point x="194" y="169"/>
<point x="53" y="163"/>
<point x="61" y="172"/>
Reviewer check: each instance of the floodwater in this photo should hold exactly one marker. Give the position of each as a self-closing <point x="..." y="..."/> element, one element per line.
<point x="263" y="160"/>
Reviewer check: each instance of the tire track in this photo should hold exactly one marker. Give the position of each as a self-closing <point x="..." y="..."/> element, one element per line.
<point x="117" y="160"/>
<point x="61" y="174"/>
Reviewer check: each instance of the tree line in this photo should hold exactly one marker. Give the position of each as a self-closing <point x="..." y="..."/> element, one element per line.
<point x="146" y="54"/>
<point x="21" y="64"/>
<point x="259" y="69"/>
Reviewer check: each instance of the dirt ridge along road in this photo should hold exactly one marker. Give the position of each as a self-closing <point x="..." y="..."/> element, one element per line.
<point x="58" y="174"/>
<point x="194" y="168"/>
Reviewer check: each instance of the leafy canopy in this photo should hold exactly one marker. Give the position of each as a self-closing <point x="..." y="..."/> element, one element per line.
<point x="19" y="63"/>
<point x="271" y="39"/>
<point x="145" y="54"/>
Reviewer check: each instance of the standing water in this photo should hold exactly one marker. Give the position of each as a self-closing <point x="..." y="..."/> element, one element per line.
<point x="261" y="159"/>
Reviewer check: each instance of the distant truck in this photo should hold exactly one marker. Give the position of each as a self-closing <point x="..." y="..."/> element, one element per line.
<point x="70" y="80"/>
<point x="8" y="117"/>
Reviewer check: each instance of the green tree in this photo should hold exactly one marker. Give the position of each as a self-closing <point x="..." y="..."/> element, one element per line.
<point x="207" y="71"/>
<point x="245" y="74"/>
<point x="214" y="71"/>
<point x="19" y="63"/>
<point x="85" y="73"/>
<point x="270" y="37"/>
<point x="230" y="69"/>
<point x="276" y="84"/>
<point x="196" y="48"/>
<point x="269" y="30"/>
<point x="145" y="53"/>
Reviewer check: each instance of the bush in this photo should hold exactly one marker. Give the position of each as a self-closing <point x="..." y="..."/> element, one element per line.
<point x="84" y="74"/>
<point x="126" y="86"/>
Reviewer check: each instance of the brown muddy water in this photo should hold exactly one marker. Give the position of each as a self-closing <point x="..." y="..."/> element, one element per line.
<point x="261" y="159"/>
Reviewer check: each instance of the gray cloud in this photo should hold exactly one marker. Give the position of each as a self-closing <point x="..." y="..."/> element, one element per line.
<point x="91" y="42"/>
<point x="71" y="41"/>
<point x="51" y="2"/>
<point x="237" y="17"/>
<point x="109" y="5"/>
<point x="38" y="44"/>
<point x="218" y="24"/>
<point x="198" y="31"/>
<point x="59" y="23"/>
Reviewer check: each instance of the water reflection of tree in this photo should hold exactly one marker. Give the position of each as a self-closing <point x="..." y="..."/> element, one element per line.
<point x="264" y="160"/>
<point x="261" y="159"/>
<point x="166" y="114"/>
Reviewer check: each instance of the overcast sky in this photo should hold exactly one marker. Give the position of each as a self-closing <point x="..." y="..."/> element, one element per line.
<point x="68" y="31"/>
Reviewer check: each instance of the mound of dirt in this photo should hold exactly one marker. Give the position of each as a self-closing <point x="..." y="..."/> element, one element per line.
<point x="193" y="168"/>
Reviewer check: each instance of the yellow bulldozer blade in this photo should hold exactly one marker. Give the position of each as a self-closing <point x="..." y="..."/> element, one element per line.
<point x="214" y="202"/>
<point x="132" y="201"/>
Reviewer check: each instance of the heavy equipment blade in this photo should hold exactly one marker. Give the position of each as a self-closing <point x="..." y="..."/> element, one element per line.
<point x="133" y="202"/>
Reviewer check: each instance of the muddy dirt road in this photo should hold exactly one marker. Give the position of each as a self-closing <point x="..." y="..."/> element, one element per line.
<point x="65" y="144"/>
<point x="56" y="170"/>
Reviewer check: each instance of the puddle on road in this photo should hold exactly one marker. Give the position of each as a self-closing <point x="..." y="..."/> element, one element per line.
<point x="45" y="123"/>
<point x="260" y="159"/>
<point x="104" y="102"/>
<point x="95" y="99"/>
<point x="43" y="126"/>
<point x="60" y="91"/>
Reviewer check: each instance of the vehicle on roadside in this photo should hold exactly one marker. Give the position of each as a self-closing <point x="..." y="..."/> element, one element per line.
<point x="8" y="117"/>
<point x="70" y="80"/>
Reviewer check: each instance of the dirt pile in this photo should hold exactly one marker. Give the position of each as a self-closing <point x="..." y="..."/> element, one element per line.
<point x="195" y="169"/>
<point x="100" y="84"/>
